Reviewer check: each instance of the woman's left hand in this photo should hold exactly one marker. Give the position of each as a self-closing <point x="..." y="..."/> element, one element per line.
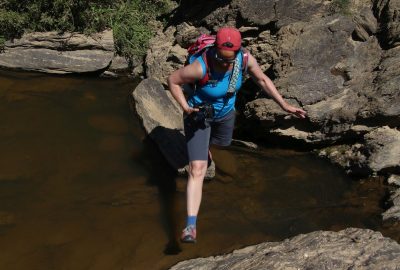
<point x="295" y="111"/>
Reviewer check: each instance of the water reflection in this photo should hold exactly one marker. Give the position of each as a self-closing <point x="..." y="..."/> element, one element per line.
<point x="81" y="186"/>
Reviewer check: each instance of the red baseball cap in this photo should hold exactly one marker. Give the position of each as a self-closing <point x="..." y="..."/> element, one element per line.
<point x="228" y="38"/>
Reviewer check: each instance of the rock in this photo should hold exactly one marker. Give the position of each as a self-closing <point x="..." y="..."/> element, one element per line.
<point x="261" y="12"/>
<point x="388" y="15"/>
<point x="161" y="118"/>
<point x="366" y="24"/>
<point x="380" y="154"/>
<point x="393" y="213"/>
<point x="352" y="158"/>
<point x="249" y="145"/>
<point x="156" y="63"/>
<point x="187" y="34"/>
<point x="119" y="64"/>
<point x="385" y="98"/>
<point x="394" y="180"/>
<point x="347" y="249"/>
<point x="383" y="145"/>
<point x="59" y="53"/>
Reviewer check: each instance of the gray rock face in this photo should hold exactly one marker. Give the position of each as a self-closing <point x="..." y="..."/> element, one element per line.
<point x="261" y="12"/>
<point x="59" y="53"/>
<point x="348" y="249"/>
<point x="384" y="149"/>
<point x="158" y="55"/>
<point x="161" y="117"/>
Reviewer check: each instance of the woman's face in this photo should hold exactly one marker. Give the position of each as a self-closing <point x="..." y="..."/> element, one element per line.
<point x="225" y="58"/>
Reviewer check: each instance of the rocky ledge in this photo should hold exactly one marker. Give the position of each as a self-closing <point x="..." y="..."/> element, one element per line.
<point x="348" y="249"/>
<point x="62" y="53"/>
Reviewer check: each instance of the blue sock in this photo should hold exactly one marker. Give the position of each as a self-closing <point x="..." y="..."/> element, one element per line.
<point x="191" y="221"/>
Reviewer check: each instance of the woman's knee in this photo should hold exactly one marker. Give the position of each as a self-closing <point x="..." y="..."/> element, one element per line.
<point x="198" y="168"/>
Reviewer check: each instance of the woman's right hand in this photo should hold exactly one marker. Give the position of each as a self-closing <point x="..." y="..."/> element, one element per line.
<point x="188" y="110"/>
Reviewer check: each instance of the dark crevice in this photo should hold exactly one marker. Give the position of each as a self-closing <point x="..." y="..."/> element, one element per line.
<point x="381" y="33"/>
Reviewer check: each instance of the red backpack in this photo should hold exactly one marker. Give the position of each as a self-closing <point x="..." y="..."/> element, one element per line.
<point x="200" y="48"/>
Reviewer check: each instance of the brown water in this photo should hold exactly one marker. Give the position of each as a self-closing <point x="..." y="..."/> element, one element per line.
<point x="81" y="187"/>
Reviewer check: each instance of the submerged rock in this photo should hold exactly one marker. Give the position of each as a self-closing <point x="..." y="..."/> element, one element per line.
<point x="348" y="249"/>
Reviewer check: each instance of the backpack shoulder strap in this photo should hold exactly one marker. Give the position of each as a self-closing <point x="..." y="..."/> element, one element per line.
<point x="207" y="75"/>
<point x="245" y="60"/>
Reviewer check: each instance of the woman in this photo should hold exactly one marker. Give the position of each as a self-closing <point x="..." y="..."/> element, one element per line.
<point x="204" y="126"/>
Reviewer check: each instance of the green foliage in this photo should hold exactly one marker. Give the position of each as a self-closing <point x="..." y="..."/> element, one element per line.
<point x="2" y="41"/>
<point x="132" y="25"/>
<point x="11" y="24"/>
<point x="130" y="19"/>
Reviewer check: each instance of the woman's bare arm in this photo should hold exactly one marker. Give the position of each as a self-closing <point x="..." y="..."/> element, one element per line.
<point x="188" y="74"/>
<point x="268" y="86"/>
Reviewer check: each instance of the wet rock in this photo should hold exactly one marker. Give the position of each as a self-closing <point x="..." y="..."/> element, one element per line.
<point x="52" y="52"/>
<point x="161" y="117"/>
<point x="348" y="249"/>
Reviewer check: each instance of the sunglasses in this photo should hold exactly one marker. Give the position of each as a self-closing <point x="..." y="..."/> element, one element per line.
<point x="224" y="60"/>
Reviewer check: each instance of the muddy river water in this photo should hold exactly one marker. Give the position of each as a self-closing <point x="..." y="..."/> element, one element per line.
<point x="82" y="187"/>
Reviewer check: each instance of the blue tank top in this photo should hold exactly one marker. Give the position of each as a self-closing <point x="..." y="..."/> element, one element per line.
<point x="214" y="91"/>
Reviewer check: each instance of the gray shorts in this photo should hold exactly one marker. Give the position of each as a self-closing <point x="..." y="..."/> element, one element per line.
<point x="214" y="131"/>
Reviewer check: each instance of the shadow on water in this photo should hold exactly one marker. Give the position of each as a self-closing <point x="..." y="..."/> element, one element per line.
<point x="165" y="182"/>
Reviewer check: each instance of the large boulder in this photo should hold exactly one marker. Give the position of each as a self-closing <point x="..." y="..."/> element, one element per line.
<point x="59" y="53"/>
<point x="161" y="118"/>
<point x="348" y="249"/>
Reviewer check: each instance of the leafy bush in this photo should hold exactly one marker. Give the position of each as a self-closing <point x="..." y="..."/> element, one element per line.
<point x="12" y="24"/>
<point x="2" y="41"/>
<point x="133" y="27"/>
<point x="129" y="19"/>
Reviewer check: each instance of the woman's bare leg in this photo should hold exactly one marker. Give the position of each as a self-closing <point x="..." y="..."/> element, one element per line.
<point x="194" y="190"/>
